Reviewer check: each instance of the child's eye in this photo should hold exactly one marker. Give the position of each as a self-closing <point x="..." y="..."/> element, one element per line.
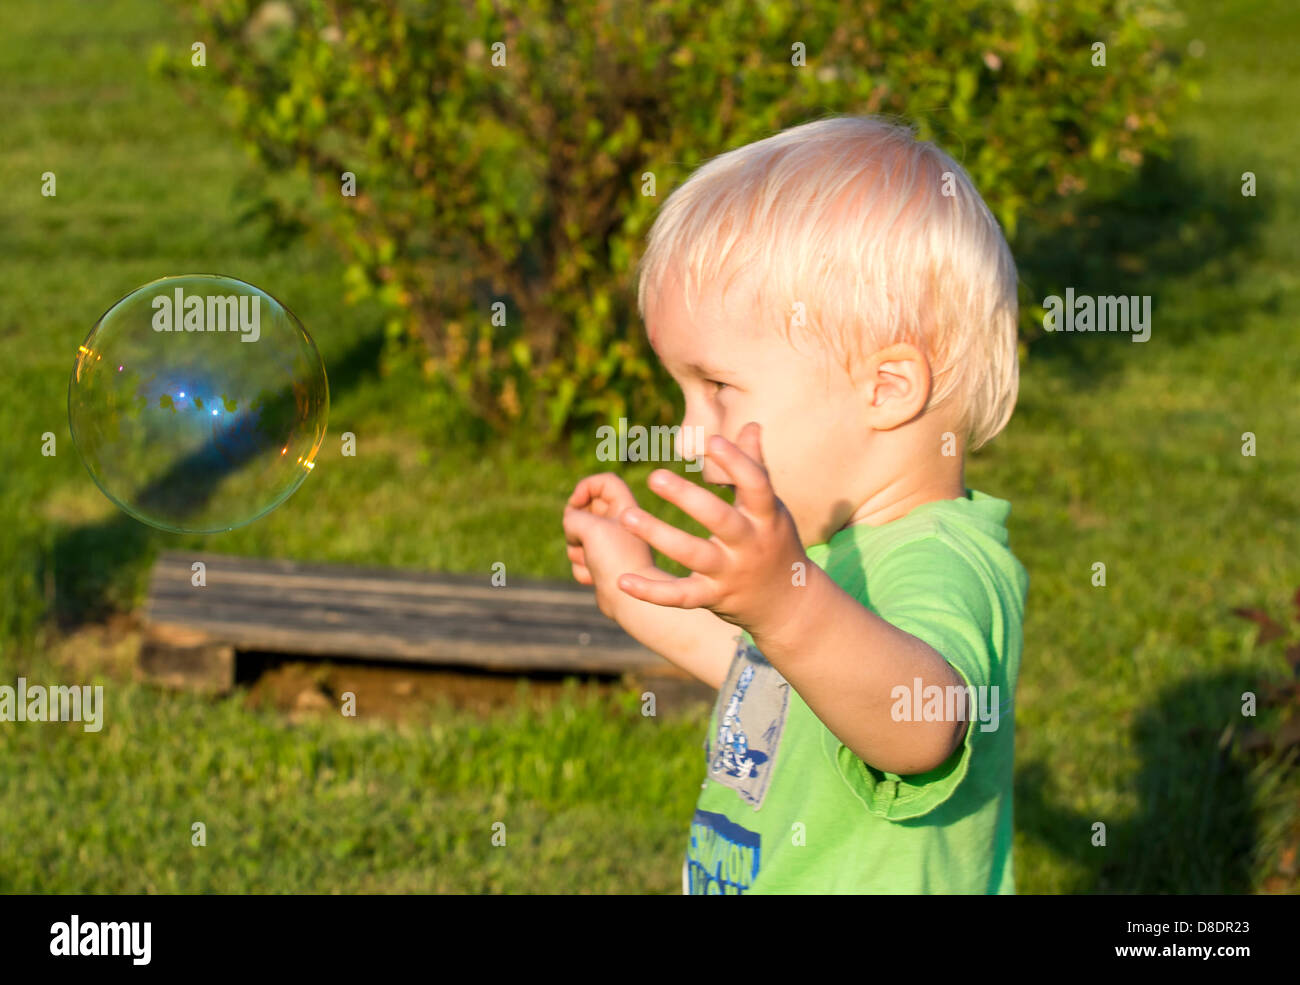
<point x="718" y="383"/>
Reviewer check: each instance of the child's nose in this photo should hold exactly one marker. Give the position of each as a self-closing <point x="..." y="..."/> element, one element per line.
<point x="692" y="439"/>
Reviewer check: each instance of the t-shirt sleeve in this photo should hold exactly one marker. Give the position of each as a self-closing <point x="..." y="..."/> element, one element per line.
<point x="927" y="588"/>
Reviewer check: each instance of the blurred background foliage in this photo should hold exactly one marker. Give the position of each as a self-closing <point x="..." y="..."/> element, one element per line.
<point x="518" y="153"/>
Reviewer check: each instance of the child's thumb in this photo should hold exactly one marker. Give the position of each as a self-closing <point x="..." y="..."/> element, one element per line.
<point x="577" y="524"/>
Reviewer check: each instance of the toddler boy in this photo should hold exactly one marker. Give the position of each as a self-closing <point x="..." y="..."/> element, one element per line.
<point x="858" y="607"/>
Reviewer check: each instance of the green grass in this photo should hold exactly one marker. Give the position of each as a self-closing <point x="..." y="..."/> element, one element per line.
<point x="344" y="806"/>
<point x="1120" y="453"/>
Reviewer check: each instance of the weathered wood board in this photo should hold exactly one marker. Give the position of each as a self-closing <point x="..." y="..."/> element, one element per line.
<point x="329" y="610"/>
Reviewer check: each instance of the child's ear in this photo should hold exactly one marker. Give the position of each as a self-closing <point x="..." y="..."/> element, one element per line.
<point x="896" y="385"/>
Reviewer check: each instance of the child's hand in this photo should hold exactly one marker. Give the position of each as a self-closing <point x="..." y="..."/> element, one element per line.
<point x="599" y="548"/>
<point x="743" y="573"/>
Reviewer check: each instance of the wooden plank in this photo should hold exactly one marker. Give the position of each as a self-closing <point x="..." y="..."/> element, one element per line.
<point x="503" y="607"/>
<point x="369" y="613"/>
<point x="266" y="571"/>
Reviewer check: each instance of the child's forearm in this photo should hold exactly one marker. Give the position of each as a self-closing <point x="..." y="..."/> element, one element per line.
<point x="695" y="640"/>
<point x="845" y="661"/>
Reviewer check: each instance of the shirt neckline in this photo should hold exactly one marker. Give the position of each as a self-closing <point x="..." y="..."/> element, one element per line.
<point x="973" y="498"/>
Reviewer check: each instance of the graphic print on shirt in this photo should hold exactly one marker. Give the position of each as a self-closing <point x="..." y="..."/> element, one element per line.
<point x="722" y="858"/>
<point x="749" y="725"/>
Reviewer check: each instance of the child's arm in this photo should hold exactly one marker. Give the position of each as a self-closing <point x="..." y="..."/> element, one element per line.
<point x="695" y="640"/>
<point x="845" y="662"/>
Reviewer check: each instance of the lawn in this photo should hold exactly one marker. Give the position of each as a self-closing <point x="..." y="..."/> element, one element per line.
<point x="1120" y="453"/>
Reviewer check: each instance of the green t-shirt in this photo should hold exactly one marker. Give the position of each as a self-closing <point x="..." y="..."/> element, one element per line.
<point x="786" y="807"/>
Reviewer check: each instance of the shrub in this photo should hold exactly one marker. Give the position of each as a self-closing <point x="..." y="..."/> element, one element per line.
<point x="518" y="156"/>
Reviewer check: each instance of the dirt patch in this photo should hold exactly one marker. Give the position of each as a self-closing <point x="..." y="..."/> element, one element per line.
<point x="404" y="692"/>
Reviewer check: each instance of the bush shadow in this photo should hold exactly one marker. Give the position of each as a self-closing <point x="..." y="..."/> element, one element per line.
<point x="1195" y="829"/>
<point x="1146" y="238"/>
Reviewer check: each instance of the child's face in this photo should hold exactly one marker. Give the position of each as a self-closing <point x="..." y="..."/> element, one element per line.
<point x="813" y="436"/>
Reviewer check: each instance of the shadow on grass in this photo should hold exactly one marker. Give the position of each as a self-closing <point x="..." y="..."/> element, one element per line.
<point x="89" y="563"/>
<point x="1194" y="830"/>
<point x="1147" y="239"/>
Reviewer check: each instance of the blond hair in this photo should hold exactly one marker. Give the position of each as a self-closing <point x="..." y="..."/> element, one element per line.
<point x="881" y="236"/>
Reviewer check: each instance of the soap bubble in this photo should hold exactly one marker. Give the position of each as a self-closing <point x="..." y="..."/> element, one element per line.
<point x="198" y="403"/>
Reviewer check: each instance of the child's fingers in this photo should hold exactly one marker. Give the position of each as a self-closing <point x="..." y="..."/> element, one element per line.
<point x="753" y="488"/>
<point x="576" y="524"/>
<point x="717" y="515"/>
<point x="694" y="552"/>
<point x="681" y="593"/>
<point x="581" y="495"/>
<point x="750" y="441"/>
<point x="578" y="559"/>
<point x="605" y="493"/>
